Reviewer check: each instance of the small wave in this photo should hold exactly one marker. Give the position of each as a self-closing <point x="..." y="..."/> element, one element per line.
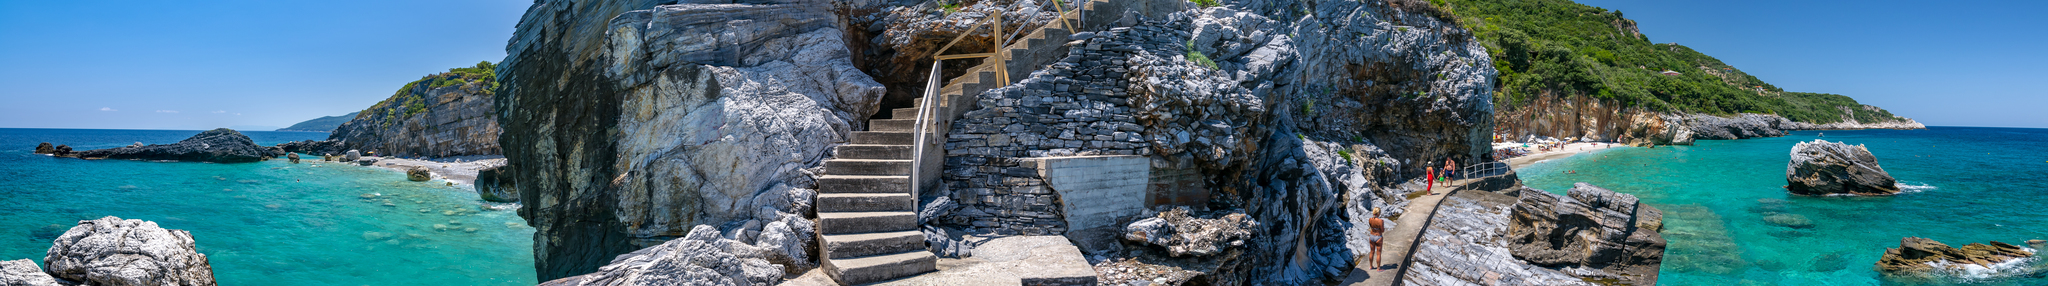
<point x="1905" y="187"/>
<point x="1974" y="272"/>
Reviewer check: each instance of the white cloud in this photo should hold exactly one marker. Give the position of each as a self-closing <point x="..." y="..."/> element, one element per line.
<point x="220" y="111"/>
<point x="166" y="111"/>
<point x="238" y="114"/>
<point x="107" y="109"/>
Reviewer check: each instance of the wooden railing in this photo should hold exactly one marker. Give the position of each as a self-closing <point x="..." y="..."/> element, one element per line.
<point x="925" y="126"/>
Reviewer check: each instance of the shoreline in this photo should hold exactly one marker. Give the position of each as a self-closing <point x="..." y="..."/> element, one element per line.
<point x="1567" y="151"/>
<point x="460" y="170"/>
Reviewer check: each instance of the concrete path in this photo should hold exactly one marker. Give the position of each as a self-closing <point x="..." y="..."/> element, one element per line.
<point x="1400" y="241"/>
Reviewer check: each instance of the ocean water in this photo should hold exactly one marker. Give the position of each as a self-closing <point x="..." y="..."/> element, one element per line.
<point x="266" y="223"/>
<point x="1729" y="220"/>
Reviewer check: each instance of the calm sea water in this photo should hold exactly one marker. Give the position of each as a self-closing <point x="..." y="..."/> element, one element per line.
<point x="266" y="223"/>
<point x="1730" y="221"/>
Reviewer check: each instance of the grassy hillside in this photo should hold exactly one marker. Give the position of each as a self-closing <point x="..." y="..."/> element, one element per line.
<point x="411" y="99"/>
<point x="1561" y="48"/>
<point x="322" y="124"/>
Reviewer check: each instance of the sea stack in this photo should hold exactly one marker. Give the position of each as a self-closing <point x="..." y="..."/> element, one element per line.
<point x="1822" y="168"/>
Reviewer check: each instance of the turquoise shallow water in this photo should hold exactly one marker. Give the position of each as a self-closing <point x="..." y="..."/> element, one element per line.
<point x="267" y="223"/>
<point x="1730" y="222"/>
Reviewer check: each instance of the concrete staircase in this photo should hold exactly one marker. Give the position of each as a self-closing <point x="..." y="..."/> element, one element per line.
<point x="867" y="215"/>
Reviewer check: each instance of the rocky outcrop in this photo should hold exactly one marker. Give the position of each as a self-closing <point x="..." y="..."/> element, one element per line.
<point x="418" y="174"/>
<point x="1590" y="232"/>
<point x="219" y="145"/>
<point x="1822" y="168"/>
<point x="1920" y="256"/>
<point x="113" y="251"/>
<point x="441" y="115"/>
<point x="495" y="184"/>
<point x="323" y="148"/>
<point x="1183" y="235"/>
<point x="45" y="148"/>
<point x="1467" y="243"/>
<point x="24" y="273"/>
<point x="627" y="123"/>
<point x="700" y="258"/>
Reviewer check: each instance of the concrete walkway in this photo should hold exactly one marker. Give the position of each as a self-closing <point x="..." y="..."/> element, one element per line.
<point x="1400" y="240"/>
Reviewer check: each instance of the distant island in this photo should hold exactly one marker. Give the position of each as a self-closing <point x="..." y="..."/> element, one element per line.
<point x="322" y="124"/>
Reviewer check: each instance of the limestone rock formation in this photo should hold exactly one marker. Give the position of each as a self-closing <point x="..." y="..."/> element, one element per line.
<point x="700" y="258"/>
<point x="24" y="273"/>
<point x="627" y="122"/>
<point x="1183" y="235"/>
<point x="495" y="184"/>
<point x="219" y="145"/>
<point x="113" y="251"/>
<point x="352" y="156"/>
<point x="310" y="147"/>
<point x="440" y="115"/>
<point x="1922" y="255"/>
<point x="418" y="174"/>
<point x="1467" y="243"/>
<point x="293" y="156"/>
<point x="1821" y="168"/>
<point x="1591" y="232"/>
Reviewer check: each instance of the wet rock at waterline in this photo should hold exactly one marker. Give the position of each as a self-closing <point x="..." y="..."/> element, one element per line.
<point x="219" y="145"/>
<point x="352" y="156"/>
<point x="1822" y="168"/>
<point x="418" y="174"/>
<point x="1919" y="255"/>
<point x="495" y="184"/>
<point x="293" y="156"/>
<point x="45" y="148"/>
<point x="114" y="251"/>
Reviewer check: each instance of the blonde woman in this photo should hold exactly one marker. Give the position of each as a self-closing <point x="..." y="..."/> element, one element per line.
<point x="1379" y="228"/>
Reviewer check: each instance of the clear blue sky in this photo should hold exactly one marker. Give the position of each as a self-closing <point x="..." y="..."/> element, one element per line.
<point x="1946" y="63"/>
<point x="229" y="63"/>
<point x="274" y="63"/>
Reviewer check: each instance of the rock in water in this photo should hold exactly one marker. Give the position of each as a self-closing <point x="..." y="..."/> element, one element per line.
<point x="699" y="258"/>
<point x="293" y="156"/>
<point x="418" y="174"/>
<point x="1610" y="234"/>
<point x="113" y="251"/>
<point x="495" y="184"/>
<point x="1829" y="168"/>
<point x="45" y="148"/>
<point x="313" y="147"/>
<point x="352" y="156"/>
<point x="1920" y="254"/>
<point x="24" y="273"/>
<point x="218" y="145"/>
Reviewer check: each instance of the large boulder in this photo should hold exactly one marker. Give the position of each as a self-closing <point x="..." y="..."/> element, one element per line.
<point x="700" y="258"/>
<point x="1822" y="168"/>
<point x="24" y="273"/>
<point x="113" y="251"/>
<point x="352" y="156"/>
<point x="672" y="116"/>
<point x="1611" y="235"/>
<point x="45" y="148"/>
<point x="418" y="174"/>
<point x="219" y="145"/>
<point x="1922" y="255"/>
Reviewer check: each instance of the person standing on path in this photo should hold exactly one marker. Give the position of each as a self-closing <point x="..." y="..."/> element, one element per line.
<point x="1429" y="179"/>
<point x="1450" y="170"/>
<point x="1379" y="229"/>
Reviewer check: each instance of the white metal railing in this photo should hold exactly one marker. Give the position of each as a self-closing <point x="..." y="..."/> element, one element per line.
<point x="1482" y="170"/>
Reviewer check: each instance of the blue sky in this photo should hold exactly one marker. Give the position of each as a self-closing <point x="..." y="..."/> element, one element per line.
<point x="207" y="64"/>
<point x="1946" y="63"/>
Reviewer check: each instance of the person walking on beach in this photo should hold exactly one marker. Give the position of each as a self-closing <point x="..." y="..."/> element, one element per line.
<point x="1379" y="229"/>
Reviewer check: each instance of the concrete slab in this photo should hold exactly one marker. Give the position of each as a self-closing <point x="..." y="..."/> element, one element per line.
<point x="1016" y="260"/>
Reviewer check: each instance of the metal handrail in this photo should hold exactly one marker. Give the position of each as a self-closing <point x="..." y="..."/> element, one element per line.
<point x="922" y="127"/>
<point x="1488" y="169"/>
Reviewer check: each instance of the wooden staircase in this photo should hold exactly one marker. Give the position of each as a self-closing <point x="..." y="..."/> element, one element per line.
<point x="867" y="211"/>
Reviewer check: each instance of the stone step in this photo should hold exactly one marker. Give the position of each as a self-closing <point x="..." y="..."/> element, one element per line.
<point x="867" y="167"/>
<point x="866" y="202"/>
<point x="904" y="113"/>
<point x="882" y="138"/>
<point x="865" y="222"/>
<point x="867" y="151"/>
<point x="842" y="246"/>
<point x="844" y="184"/>
<point x="892" y="125"/>
<point x="863" y="270"/>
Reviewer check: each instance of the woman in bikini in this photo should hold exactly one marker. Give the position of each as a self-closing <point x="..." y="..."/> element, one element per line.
<point x="1379" y="228"/>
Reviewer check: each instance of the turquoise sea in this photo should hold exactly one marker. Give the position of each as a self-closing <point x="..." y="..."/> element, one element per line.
<point x="1729" y="220"/>
<point x="265" y="223"/>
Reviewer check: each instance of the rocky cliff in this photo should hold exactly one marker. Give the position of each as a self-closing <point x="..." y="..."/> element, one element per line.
<point x="440" y="115"/>
<point x="629" y="123"/>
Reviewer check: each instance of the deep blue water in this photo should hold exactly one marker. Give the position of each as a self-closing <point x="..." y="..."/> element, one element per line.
<point x="1730" y="221"/>
<point x="265" y="223"/>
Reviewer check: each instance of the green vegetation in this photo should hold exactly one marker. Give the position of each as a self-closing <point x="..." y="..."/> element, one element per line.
<point x="1560" y="48"/>
<point x="949" y="7"/>
<point x="1346" y="153"/>
<point x="1198" y="58"/>
<point x="1206" y="3"/>
<point x="412" y="98"/>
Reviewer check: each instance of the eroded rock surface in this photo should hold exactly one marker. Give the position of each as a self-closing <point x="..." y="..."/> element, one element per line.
<point x="700" y="258"/>
<point x="1590" y="232"/>
<point x="495" y="184"/>
<point x="113" y="251"/>
<point x="1183" y="235"/>
<point x="1820" y="168"/>
<point x="219" y="145"/>
<point x="24" y="273"/>
<point x="1916" y="254"/>
<point x="627" y="122"/>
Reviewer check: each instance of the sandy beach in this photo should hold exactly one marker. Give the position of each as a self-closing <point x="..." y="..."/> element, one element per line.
<point x="459" y="170"/>
<point x="1567" y="151"/>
